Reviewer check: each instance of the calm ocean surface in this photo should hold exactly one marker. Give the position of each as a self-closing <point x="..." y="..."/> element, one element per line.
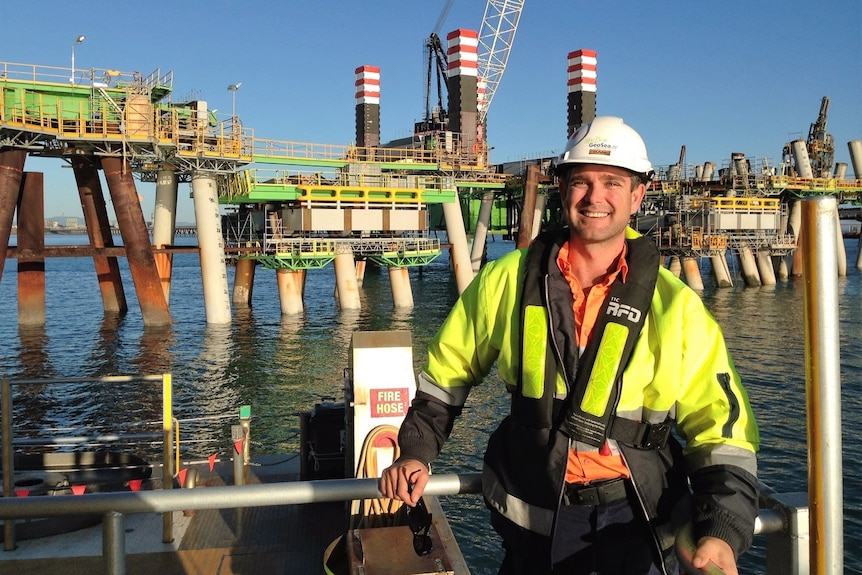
<point x="283" y="365"/>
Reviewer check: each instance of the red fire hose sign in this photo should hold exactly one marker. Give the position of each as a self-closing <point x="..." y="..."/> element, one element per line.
<point x="392" y="402"/>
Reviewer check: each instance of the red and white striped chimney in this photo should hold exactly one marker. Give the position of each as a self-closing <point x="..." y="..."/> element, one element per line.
<point x="367" y="106"/>
<point x="462" y="56"/>
<point x="581" y="86"/>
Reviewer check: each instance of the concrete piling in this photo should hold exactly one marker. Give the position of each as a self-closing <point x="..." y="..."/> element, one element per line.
<point x="211" y="241"/>
<point x="243" y="282"/>
<point x="346" y="286"/>
<point x="402" y="292"/>
<point x="290" y="288"/>
<point x="165" y="224"/>
<point x="691" y="272"/>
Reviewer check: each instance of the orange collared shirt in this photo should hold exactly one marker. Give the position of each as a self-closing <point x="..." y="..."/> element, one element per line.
<point x="587" y="466"/>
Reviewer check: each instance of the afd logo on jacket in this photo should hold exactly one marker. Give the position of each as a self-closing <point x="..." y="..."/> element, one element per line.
<point x="622" y="310"/>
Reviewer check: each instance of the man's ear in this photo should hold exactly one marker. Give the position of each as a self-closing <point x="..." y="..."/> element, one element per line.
<point x="638" y="195"/>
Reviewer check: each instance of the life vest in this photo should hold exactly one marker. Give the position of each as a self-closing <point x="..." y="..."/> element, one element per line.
<point x="526" y="459"/>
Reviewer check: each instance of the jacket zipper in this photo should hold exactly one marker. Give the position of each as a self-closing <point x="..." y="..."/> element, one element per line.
<point x="656" y="543"/>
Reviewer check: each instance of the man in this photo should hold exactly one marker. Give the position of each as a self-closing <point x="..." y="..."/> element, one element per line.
<point x="604" y="352"/>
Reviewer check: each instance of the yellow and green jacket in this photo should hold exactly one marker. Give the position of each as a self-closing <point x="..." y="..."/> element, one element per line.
<point x="679" y="373"/>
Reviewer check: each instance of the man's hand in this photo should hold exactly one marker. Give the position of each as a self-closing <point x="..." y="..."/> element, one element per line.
<point x="717" y="551"/>
<point x="404" y="480"/>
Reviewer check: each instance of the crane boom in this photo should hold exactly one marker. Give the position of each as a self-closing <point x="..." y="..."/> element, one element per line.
<point x="499" y="25"/>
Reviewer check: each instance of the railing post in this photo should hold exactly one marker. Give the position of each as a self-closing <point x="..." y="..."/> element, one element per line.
<point x="167" y="464"/>
<point x="114" y="543"/>
<point x="823" y="385"/>
<point x="8" y="463"/>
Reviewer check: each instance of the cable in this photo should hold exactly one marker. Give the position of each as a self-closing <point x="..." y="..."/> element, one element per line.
<point x="378" y="512"/>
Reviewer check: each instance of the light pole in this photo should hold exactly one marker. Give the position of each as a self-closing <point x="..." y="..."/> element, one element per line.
<point x="232" y="89"/>
<point x="77" y="41"/>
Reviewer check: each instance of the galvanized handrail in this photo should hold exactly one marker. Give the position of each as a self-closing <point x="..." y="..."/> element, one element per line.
<point x="113" y="506"/>
<point x="7" y="429"/>
<point x="223" y="497"/>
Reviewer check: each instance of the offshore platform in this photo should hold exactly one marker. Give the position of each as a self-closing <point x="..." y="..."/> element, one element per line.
<point x="750" y="210"/>
<point x="289" y="206"/>
<point x="294" y="206"/>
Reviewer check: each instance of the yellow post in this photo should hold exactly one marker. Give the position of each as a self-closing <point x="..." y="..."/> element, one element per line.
<point x="167" y="469"/>
<point x="8" y="463"/>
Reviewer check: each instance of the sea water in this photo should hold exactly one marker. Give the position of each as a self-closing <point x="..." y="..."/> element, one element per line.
<point x="283" y="365"/>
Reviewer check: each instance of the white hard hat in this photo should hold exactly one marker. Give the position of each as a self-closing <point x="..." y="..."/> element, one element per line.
<point x="607" y="141"/>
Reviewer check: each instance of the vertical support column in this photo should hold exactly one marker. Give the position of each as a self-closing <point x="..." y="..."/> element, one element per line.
<point x="483" y="223"/>
<point x="840" y="252"/>
<point x="795" y="224"/>
<point x="457" y="236"/>
<point x="11" y="174"/>
<point x="675" y="266"/>
<point x="367" y="106"/>
<point x="720" y="271"/>
<point x="691" y="271"/>
<point x="582" y="89"/>
<point x="99" y="231"/>
<point x="361" y="265"/>
<point x="402" y="292"/>
<point x="290" y="288"/>
<point x="243" y="282"/>
<point x="139" y="252"/>
<point x="749" y="267"/>
<point x="31" y="247"/>
<point x="165" y="225"/>
<point x="779" y="264"/>
<point x="855" y="148"/>
<point x="462" y="55"/>
<point x="764" y="267"/>
<point x="346" y="287"/>
<point x="213" y="267"/>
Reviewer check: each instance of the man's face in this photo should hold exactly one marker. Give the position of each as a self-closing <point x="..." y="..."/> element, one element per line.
<point x="599" y="200"/>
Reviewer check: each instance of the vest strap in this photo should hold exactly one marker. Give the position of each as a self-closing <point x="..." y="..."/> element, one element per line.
<point x="641" y="434"/>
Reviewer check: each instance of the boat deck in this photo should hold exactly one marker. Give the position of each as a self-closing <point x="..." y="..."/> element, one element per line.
<point x="253" y="541"/>
<point x="272" y="540"/>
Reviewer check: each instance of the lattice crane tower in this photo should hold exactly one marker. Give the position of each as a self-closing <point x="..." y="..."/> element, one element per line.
<point x="499" y="25"/>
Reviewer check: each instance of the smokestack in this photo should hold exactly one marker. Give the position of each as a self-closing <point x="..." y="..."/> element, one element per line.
<point x="367" y="106"/>
<point x="462" y="55"/>
<point x="582" y="89"/>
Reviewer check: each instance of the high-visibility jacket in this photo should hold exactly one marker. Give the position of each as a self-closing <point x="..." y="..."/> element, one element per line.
<point x="680" y="370"/>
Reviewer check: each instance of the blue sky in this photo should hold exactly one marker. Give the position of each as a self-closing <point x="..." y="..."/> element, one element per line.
<point x="717" y="77"/>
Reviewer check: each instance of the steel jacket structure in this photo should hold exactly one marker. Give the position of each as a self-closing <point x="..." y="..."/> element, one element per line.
<point x="680" y="370"/>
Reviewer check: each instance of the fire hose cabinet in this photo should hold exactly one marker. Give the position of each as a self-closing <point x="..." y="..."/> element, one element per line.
<point x="322" y="438"/>
<point x="380" y="383"/>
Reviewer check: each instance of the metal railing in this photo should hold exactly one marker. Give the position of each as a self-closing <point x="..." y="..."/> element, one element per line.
<point x="114" y="506"/>
<point x="8" y="455"/>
